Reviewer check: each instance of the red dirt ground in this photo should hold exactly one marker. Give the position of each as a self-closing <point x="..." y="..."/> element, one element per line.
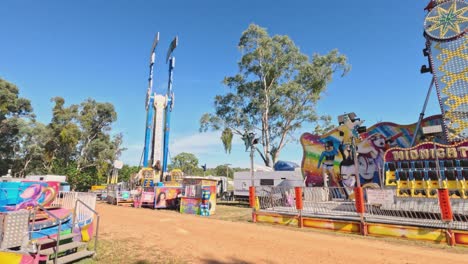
<point x="160" y="236"/>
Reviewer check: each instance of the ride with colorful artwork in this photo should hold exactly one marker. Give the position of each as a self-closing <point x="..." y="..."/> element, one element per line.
<point x="42" y="224"/>
<point x="404" y="157"/>
<point x="329" y="159"/>
<point x="154" y="186"/>
<point x="406" y="181"/>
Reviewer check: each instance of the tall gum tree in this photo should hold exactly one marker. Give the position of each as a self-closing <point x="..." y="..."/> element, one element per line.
<point x="274" y="93"/>
<point x="13" y="109"/>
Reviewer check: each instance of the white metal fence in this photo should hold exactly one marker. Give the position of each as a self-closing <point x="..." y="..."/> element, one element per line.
<point x="68" y="200"/>
<point x="338" y="203"/>
<point x="279" y="199"/>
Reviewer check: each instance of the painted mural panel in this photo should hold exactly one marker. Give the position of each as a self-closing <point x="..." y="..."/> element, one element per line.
<point x="211" y="201"/>
<point x="190" y="205"/>
<point x="25" y="195"/>
<point x="166" y="197"/>
<point x="329" y="156"/>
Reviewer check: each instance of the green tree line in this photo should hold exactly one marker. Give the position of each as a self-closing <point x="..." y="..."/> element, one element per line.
<point x="77" y="142"/>
<point x="189" y="164"/>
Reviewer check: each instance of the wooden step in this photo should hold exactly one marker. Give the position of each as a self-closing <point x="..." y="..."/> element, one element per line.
<point x="51" y="240"/>
<point x="52" y="207"/>
<point x="73" y="257"/>
<point x="62" y="248"/>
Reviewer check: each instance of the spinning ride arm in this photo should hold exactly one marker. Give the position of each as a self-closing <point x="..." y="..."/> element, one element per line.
<point x="149" y="105"/>
<point x="170" y="103"/>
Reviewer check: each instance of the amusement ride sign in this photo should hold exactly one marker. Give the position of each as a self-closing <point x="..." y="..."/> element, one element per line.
<point x="428" y="151"/>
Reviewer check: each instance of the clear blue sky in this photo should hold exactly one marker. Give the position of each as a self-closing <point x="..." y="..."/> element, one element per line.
<point x="100" y="49"/>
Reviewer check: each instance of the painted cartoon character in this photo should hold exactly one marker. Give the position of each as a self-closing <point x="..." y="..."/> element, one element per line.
<point x="33" y="195"/>
<point x="375" y="145"/>
<point x="348" y="177"/>
<point x="368" y="169"/>
<point x="347" y="171"/>
<point x="328" y="159"/>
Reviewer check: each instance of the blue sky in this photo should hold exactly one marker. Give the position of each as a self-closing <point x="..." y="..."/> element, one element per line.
<point x="100" y="49"/>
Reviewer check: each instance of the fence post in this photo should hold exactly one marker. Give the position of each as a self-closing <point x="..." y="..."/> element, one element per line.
<point x="252" y="200"/>
<point x="360" y="208"/>
<point x="299" y="204"/>
<point x="446" y="213"/>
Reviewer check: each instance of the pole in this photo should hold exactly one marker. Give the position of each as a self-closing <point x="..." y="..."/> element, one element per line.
<point x="421" y="115"/>
<point x="252" y="164"/>
<point x="149" y="104"/>
<point x="439" y="177"/>
<point x="149" y="128"/>
<point x="358" y="191"/>
<point x="170" y="102"/>
<point x="356" y="163"/>
<point x="252" y="188"/>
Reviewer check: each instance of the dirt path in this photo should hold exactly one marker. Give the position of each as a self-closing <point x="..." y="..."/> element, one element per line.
<point x="167" y="236"/>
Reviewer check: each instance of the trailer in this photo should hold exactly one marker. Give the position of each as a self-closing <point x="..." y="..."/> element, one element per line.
<point x="54" y="178"/>
<point x="265" y="180"/>
<point x="224" y="187"/>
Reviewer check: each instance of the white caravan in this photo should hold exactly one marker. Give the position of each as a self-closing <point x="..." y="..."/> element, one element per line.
<point x="243" y="180"/>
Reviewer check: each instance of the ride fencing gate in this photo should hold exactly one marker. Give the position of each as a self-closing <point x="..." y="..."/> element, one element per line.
<point x="68" y="200"/>
<point x="361" y="206"/>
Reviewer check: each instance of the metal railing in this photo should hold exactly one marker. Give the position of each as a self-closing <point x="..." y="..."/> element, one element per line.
<point x="424" y="212"/>
<point x="82" y="204"/>
<point x="339" y="203"/>
<point x="78" y="201"/>
<point x="67" y="199"/>
<point x="333" y="202"/>
<point x="59" y="227"/>
<point x="278" y="199"/>
<point x="460" y="214"/>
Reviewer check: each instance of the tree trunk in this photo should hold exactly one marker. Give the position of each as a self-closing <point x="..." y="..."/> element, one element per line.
<point x="22" y="172"/>
<point x="266" y="126"/>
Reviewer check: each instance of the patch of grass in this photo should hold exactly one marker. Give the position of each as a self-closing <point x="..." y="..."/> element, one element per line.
<point x="233" y="213"/>
<point x="127" y="251"/>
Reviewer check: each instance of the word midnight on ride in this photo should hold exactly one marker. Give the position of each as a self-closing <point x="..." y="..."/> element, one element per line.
<point x="427" y="151"/>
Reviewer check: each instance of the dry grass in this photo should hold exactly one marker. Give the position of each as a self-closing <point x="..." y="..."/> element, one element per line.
<point x="131" y="251"/>
<point x="128" y="251"/>
<point x="234" y="212"/>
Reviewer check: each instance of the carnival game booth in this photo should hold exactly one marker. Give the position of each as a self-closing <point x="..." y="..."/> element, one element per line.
<point x="199" y="196"/>
<point x="40" y="225"/>
<point x="152" y="193"/>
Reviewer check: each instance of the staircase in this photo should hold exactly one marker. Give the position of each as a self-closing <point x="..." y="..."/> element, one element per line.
<point x="49" y="235"/>
<point x="69" y="250"/>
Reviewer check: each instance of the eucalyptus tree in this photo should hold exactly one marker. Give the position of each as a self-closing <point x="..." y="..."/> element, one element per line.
<point x="12" y="109"/>
<point x="80" y="135"/>
<point x="31" y="142"/>
<point x="274" y="93"/>
<point x="187" y="162"/>
<point x="95" y="145"/>
<point x="63" y="135"/>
